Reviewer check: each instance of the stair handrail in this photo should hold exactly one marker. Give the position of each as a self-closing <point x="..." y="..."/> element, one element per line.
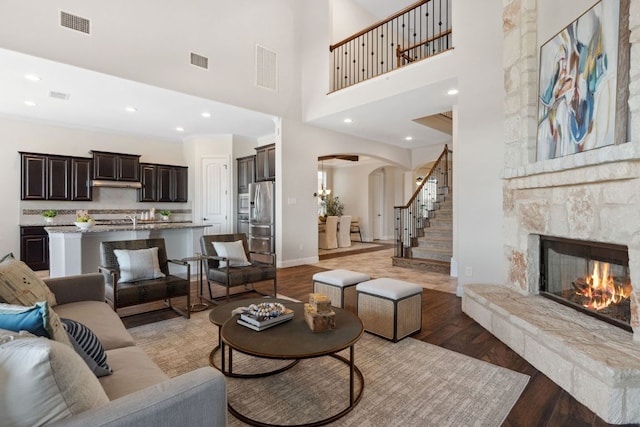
<point x="424" y="26"/>
<point x="412" y="217"/>
<point x="442" y="155"/>
<point x="378" y="24"/>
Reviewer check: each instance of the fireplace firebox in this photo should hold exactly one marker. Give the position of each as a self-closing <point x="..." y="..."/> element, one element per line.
<point x="591" y="277"/>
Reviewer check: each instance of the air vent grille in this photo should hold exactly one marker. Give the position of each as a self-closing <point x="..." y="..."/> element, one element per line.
<point x="266" y="68"/>
<point x="75" y="22"/>
<point x="59" y="95"/>
<point x="199" y="61"/>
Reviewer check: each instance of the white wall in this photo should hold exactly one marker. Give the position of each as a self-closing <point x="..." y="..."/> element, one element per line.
<point x="478" y="142"/>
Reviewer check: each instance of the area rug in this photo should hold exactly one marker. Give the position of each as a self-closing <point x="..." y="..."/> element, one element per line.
<point x="409" y="383"/>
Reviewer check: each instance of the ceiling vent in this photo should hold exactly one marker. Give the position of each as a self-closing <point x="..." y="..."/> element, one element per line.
<point x="199" y="61"/>
<point x="266" y="68"/>
<point x="59" y="95"/>
<point x="74" y="22"/>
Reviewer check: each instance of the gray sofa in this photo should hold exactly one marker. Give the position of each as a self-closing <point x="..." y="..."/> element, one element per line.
<point x="140" y="393"/>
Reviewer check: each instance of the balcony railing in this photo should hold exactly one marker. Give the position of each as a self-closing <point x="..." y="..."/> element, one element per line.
<point x="416" y="32"/>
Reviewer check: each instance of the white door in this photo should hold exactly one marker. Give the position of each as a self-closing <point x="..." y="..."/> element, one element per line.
<point x="376" y="185"/>
<point x="215" y="195"/>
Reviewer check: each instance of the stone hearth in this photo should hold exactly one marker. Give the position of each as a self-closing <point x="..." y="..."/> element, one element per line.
<point x="597" y="363"/>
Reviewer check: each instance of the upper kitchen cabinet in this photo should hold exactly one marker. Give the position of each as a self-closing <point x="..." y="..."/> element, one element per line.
<point x="81" y="170"/>
<point x="266" y="163"/>
<point x="54" y="177"/>
<point x="34" y="176"/>
<point x="246" y="173"/>
<point x="163" y="183"/>
<point x="116" y="166"/>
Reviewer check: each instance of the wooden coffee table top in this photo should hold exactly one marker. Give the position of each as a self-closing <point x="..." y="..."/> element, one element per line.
<point x="290" y="340"/>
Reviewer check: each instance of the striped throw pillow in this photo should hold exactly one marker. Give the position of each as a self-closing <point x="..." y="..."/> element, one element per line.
<point x="88" y="346"/>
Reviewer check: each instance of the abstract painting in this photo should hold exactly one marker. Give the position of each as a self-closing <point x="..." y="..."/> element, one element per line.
<point x="578" y="84"/>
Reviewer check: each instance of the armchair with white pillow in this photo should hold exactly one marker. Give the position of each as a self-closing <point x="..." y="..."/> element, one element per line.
<point x="137" y="272"/>
<point x="229" y="263"/>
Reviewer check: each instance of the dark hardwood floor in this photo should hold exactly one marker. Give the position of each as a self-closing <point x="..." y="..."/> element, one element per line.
<point x="542" y="403"/>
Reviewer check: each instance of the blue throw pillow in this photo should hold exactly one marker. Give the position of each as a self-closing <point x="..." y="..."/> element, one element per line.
<point x="32" y="319"/>
<point x="88" y="346"/>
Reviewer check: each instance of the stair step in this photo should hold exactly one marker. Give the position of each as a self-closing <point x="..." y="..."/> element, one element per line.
<point x="422" y="264"/>
<point x="432" y="254"/>
<point x="432" y="244"/>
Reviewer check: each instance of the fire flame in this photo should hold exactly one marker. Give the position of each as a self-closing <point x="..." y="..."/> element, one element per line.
<point x="601" y="290"/>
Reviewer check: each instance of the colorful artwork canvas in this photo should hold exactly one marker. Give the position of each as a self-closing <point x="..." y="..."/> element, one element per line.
<point x="578" y="84"/>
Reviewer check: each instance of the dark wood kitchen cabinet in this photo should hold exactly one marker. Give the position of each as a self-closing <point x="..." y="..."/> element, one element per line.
<point x="163" y="183"/>
<point x="55" y="177"/>
<point x="81" y="172"/>
<point x="148" y="179"/>
<point x="34" y="176"/>
<point x="58" y="178"/>
<point x="246" y="173"/>
<point x="266" y="163"/>
<point x="116" y="166"/>
<point x="34" y="247"/>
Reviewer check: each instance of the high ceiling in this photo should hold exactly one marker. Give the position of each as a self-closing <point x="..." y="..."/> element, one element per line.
<point x="100" y="102"/>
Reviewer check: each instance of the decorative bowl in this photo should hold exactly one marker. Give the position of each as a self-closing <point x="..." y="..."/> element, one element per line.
<point x="84" y="225"/>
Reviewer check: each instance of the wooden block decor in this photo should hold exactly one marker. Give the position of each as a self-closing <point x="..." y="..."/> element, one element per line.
<point x="320" y="303"/>
<point x="319" y="322"/>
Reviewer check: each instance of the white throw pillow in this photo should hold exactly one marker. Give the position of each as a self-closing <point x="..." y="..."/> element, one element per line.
<point x="138" y="264"/>
<point x="42" y="381"/>
<point x="234" y="251"/>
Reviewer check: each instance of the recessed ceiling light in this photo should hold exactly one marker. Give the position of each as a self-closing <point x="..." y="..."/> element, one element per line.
<point x="30" y="103"/>
<point x="348" y="120"/>
<point x="180" y="129"/>
<point x="131" y="109"/>
<point x="32" y="77"/>
<point x="206" y="115"/>
<point x="408" y="138"/>
<point x="452" y="92"/>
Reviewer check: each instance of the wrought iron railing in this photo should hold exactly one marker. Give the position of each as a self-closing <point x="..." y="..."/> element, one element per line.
<point x="412" y="218"/>
<point x="419" y="31"/>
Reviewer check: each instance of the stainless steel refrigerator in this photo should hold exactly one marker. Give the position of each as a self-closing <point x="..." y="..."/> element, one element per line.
<point x="262" y="216"/>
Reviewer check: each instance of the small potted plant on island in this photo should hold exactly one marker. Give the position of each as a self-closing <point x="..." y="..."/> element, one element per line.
<point x="48" y="215"/>
<point x="165" y="214"/>
<point x="83" y="219"/>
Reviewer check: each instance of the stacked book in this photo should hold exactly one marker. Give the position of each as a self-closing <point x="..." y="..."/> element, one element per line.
<point x="260" y="323"/>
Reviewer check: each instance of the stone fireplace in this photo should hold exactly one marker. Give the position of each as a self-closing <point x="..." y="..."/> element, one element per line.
<point x="592" y="196"/>
<point x="590" y="277"/>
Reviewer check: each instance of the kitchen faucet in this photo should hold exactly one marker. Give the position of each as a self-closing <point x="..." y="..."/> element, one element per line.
<point x="132" y="218"/>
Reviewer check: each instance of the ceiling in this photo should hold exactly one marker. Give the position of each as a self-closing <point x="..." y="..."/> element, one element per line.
<point x="100" y="100"/>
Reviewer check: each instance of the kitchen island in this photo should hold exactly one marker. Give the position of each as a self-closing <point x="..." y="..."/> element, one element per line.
<point x="74" y="251"/>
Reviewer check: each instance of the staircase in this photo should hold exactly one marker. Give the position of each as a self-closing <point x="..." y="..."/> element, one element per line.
<point x="424" y="227"/>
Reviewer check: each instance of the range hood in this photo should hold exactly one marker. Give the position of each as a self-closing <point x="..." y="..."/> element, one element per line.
<point x="115" y="184"/>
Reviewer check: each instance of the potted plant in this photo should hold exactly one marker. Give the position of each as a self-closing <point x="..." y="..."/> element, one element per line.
<point x="165" y="213"/>
<point x="334" y="206"/>
<point x="49" y="214"/>
<point x="83" y="219"/>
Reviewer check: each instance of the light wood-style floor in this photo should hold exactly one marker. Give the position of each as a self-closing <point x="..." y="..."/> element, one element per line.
<point x="542" y="403"/>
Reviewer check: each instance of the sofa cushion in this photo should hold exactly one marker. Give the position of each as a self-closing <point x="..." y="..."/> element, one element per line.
<point x="42" y="381"/>
<point x="88" y="346"/>
<point x="37" y="319"/>
<point x="101" y="319"/>
<point x="138" y="264"/>
<point x="20" y="285"/>
<point x="234" y="251"/>
<point x="133" y="370"/>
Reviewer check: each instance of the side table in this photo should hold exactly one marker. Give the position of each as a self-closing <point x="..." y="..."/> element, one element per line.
<point x="198" y="306"/>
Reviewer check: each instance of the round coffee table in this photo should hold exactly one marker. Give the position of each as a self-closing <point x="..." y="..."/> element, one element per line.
<point x="293" y="340"/>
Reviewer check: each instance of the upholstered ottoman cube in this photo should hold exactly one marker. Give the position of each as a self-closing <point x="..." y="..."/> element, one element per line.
<point x="339" y="286"/>
<point x="390" y="308"/>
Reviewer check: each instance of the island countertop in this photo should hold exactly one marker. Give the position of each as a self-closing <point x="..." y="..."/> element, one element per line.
<point x="123" y="227"/>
